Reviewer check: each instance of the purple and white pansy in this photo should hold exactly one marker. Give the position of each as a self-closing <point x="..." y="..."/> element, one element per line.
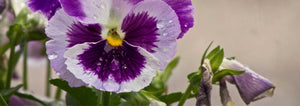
<point x="114" y="45"/>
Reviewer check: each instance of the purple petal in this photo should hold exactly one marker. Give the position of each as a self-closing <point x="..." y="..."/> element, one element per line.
<point x="251" y="85"/>
<point x="96" y="11"/>
<point x="140" y="30"/>
<point x="184" y="10"/>
<point x="47" y="7"/>
<point x="204" y="94"/>
<point x="59" y="26"/>
<point x="123" y="69"/>
<point x="80" y="33"/>
<point x="164" y="46"/>
<point x="224" y="94"/>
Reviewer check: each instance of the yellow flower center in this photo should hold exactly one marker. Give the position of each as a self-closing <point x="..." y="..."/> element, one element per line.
<point x="114" y="38"/>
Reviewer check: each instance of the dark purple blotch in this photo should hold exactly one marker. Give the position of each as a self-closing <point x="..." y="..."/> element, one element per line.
<point x="79" y="33"/>
<point x="47" y="7"/>
<point x="140" y="30"/>
<point x="73" y="8"/>
<point x="123" y="63"/>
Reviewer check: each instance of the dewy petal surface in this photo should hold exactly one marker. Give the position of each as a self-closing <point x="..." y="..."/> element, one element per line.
<point x="251" y="85"/>
<point x="96" y="11"/>
<point x="184" y="10"/>
<point x="160" y="40"/>
<point x="124" y="69"/>
<point x="47" y="7"/>
<point x="59" y="27"/>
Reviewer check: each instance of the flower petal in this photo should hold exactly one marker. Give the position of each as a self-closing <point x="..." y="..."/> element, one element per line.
<point x="58" y="29"/>
<point x="96" y="11"/>
<point x="184" y="10"/>
<point x="122" y="69"/>
<point x="47" y="7"/>
<point x="251" y="85"/>
<point x="140" y="30"/>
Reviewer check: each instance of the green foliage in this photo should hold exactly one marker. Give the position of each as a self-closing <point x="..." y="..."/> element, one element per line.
<point x="159" y="82"/>
<point x="222" y="73"/>
<point x="81" y="95"/>
<point x="2" y="101"/>
<point x="171" y="98"/>
<point x="7" y="93"/>
<point x="216" y="60"/>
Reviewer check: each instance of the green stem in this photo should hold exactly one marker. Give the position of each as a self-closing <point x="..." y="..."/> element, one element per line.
<point x="2" y="101"/>
<point x="48" y="87"/>
<point x="106" y="98"/>
<point x="25" y="65"/>
<point x="185" y="96"/>
<point x="58" y="94"/>
<point x="10" y="64"/>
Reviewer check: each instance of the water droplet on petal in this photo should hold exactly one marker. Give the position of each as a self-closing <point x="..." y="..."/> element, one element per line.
<point x="170" y="21"/>
<point x="165" y="34"/>
<point x="124" y="67"/>
<point x="100" y="59"/>
<point x="185" y="25"/>
<point x="52" y="56"/>
<point x="160" y="25"/>
<point x="114" y="65"/>
<point x="98" y="69"/>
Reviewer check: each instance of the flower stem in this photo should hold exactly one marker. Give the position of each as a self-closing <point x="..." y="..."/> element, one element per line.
<point x="48" y="87"/>
<point x="106" y="98"/>
<point x="186" y="94"/>
<point x="10" y="65"/>
<point x="2" y="101"/>
<point x="25" y="65"/>
<point x="58" y="94"/>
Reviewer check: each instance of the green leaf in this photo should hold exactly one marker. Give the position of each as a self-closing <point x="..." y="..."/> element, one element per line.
<point x="115" y="99"/>
<point x="82" y="95"/>
<point x="171" y="98"/>
<point x="36" y="35"/>
<point x="4" y="48"/>
<point x="217" y="60"/>
<point x="220" y="74"/>
<point x="195" y="78"/>
<point x="213" y="53"/>
<point x="70" y="101"/>
<point x="168" y="71"/>
<point x="7" y="93"/>
<point x="28" y="96"/>
<point x="204" y="54"/>
<point x="2" y="101"/>
<point x="135" y="99"/>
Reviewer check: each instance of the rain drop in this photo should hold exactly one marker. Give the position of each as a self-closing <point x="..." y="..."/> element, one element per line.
<point x="185" y="25"/>
<point x="114" y="65"/>
<point x="160" y="25"/>
<point x="165" y="34"/>
<point x="170" y="21"/>
<point x="100" y="59"/>
<point x="52" y="56"/>
<point x="124" y="66"/>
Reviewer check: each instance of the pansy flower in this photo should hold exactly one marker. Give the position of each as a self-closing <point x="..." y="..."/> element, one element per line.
<point x="251" y="85"/>
<point x="46" y="7"/>
<point x="115" y="45"/>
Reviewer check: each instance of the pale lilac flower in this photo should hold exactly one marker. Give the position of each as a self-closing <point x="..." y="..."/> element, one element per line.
<point x="251" y="85"/>
<point x="115" y="45"/>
